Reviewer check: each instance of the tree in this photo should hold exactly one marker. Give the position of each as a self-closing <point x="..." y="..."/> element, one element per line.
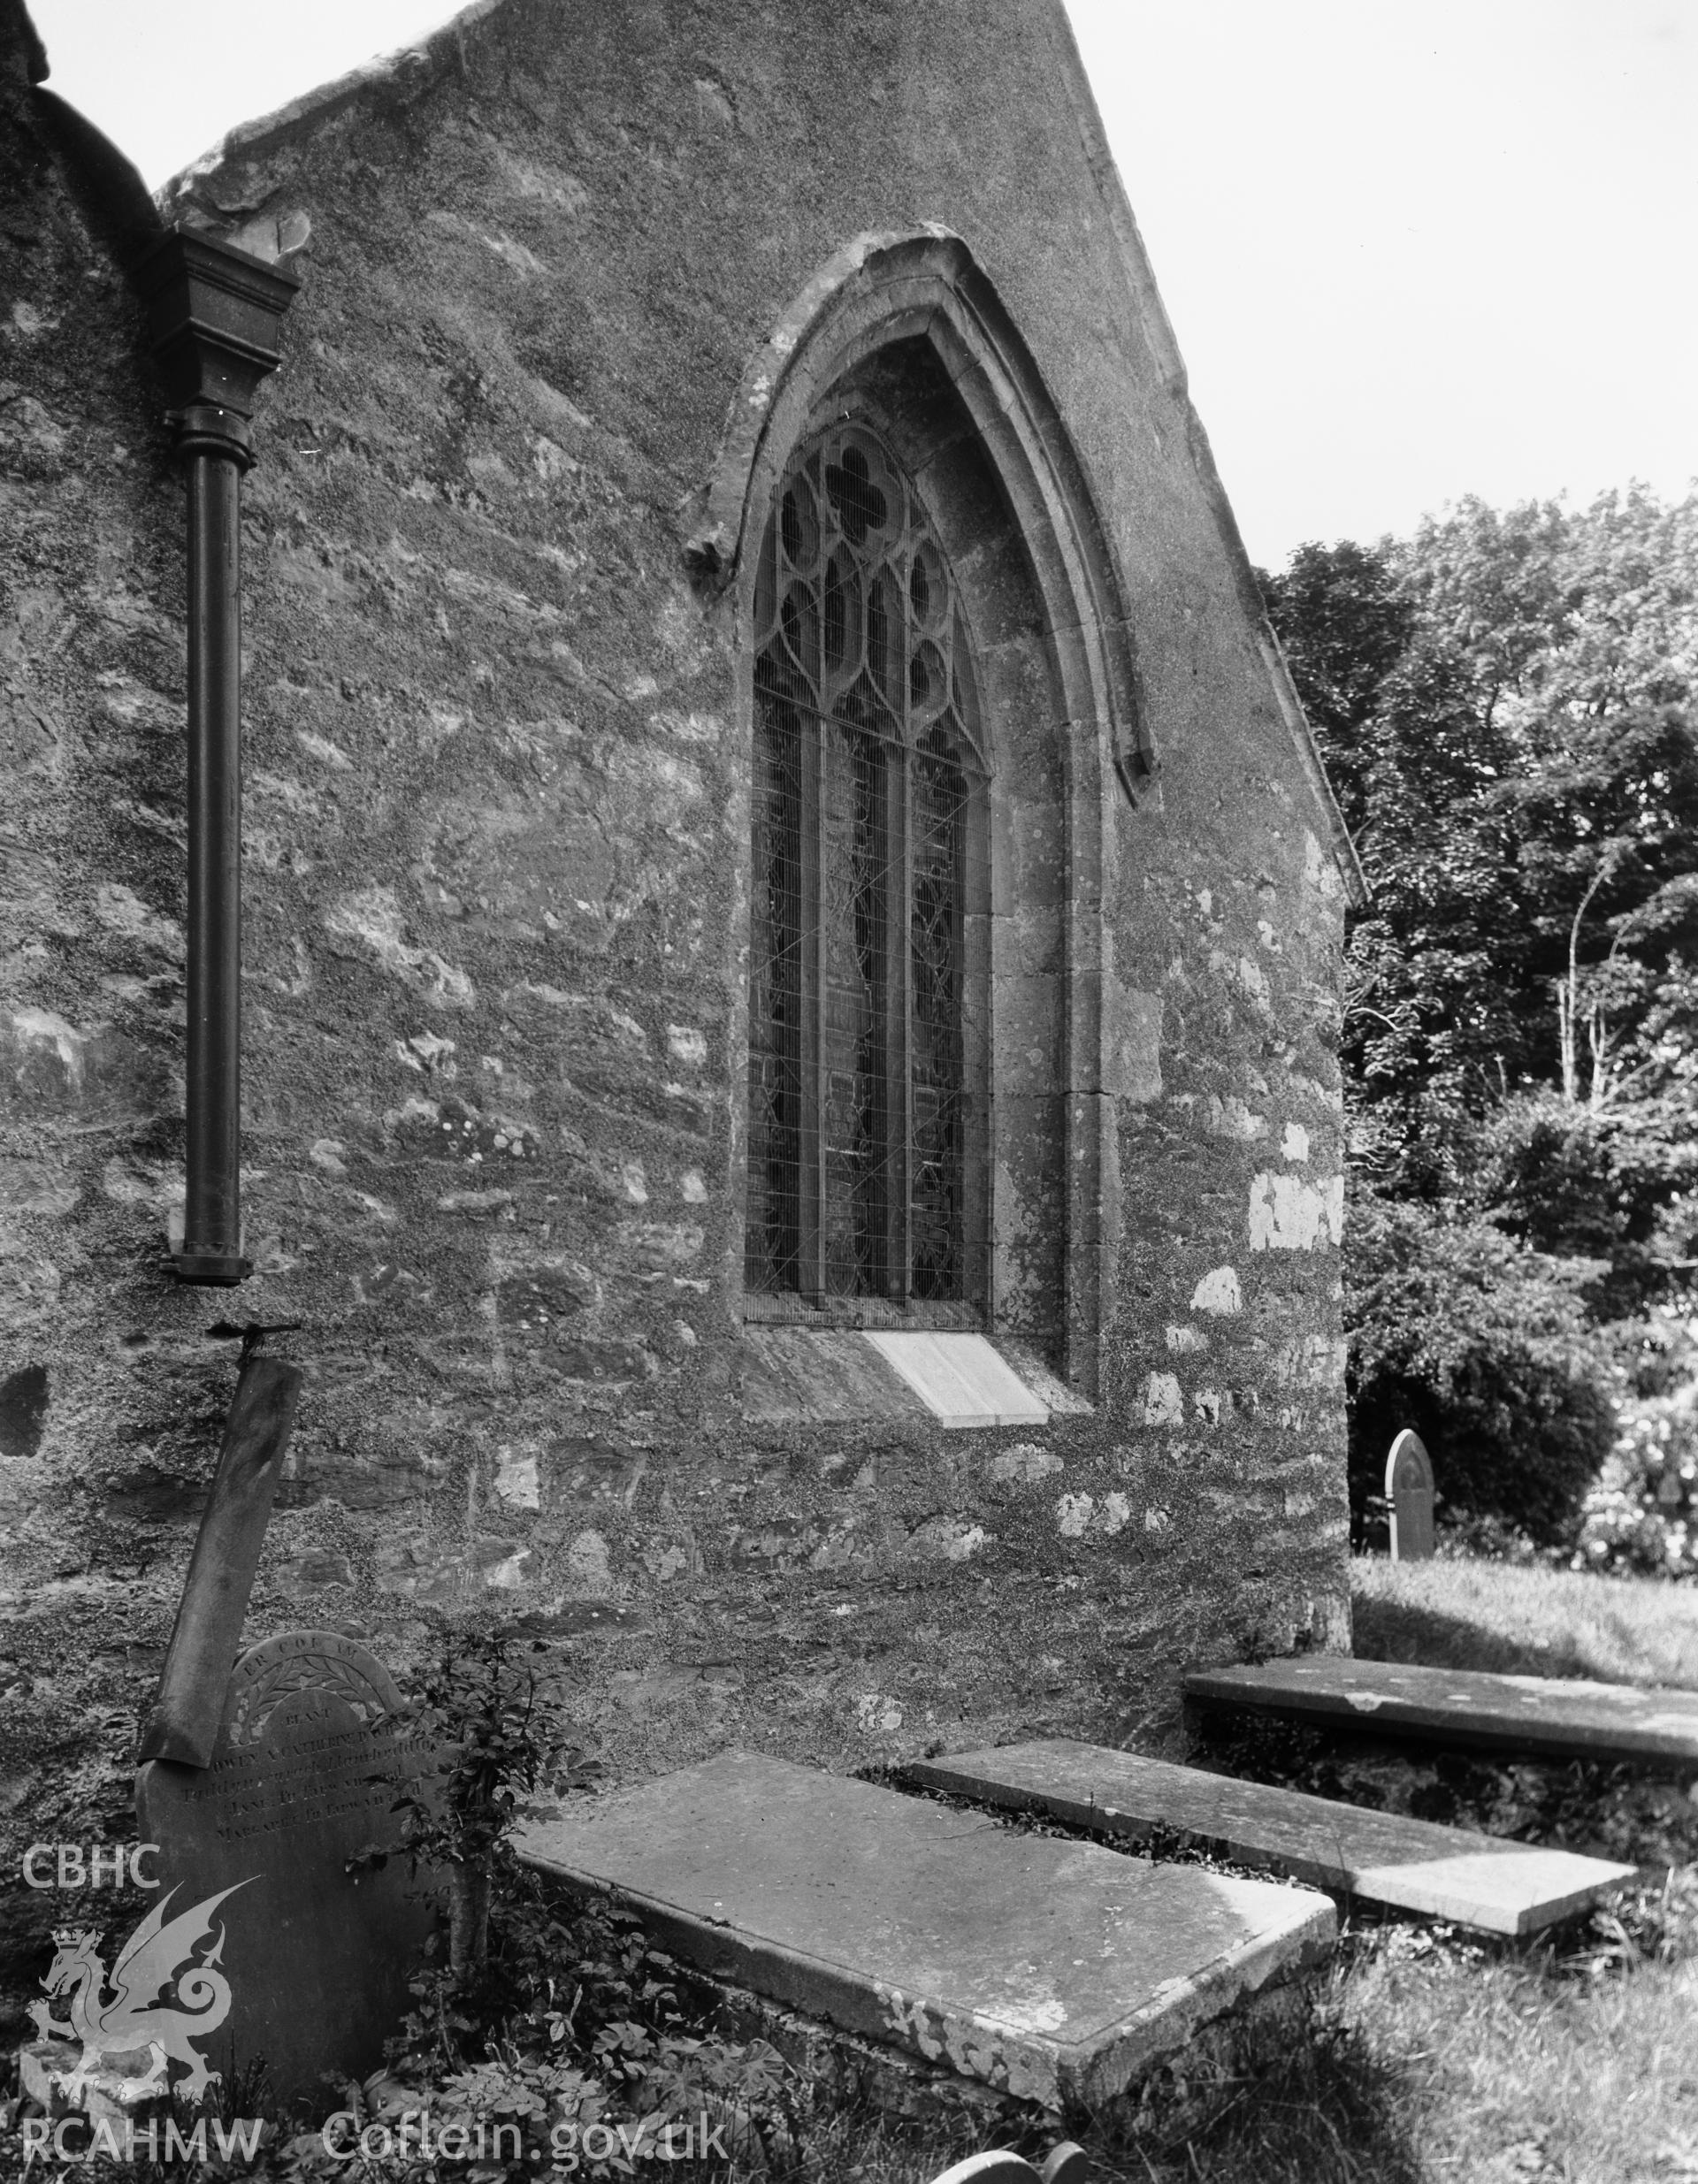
<point x="1612" y="1186"/>
<point x="1506" y="703"/>
<point x="1606" y="821"/>
<point x="1502" y="703"/>
<point x="1345" y="623"/>
<point x="1563" y="614"/>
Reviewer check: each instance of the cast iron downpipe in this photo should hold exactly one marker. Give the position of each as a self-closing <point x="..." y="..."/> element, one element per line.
<point x="215" y="458"/>
<point x="215" y="314"/>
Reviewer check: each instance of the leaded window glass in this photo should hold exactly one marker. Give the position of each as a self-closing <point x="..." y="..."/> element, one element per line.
<point x="865" y="754"/>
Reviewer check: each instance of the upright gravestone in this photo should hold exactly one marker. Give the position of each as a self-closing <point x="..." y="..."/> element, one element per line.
<point x="1408" y="1492"/>
<point x="310" y="1757"/>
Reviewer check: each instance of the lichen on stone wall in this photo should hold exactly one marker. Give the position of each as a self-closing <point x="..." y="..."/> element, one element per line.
<point x="496" y="889"/>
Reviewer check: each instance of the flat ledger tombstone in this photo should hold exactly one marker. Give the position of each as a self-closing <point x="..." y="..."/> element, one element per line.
<point x="1408" y="1489"/>
<point x="310" y="1756"/>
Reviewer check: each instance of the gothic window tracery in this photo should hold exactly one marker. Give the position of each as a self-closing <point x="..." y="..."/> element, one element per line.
<point x="865" y="755"/>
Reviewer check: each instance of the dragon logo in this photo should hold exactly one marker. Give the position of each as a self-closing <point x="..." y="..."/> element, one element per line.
<point x="143" y="2011"/>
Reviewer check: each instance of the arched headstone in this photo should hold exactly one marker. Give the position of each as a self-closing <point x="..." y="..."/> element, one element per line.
<point x="1408" y="1492"/>
<point x="312" y="1754"/>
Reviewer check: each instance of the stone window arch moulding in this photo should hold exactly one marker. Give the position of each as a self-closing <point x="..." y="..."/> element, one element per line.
<point x="900" y="343"/>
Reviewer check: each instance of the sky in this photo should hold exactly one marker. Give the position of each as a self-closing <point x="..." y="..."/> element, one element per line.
<point x="1412" y="249"/>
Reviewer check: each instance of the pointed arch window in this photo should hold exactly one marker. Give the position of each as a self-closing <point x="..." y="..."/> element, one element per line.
<point x="865" y="1121"/>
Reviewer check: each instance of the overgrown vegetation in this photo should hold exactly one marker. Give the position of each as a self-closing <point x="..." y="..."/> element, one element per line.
<point x="549" y="2021"/>
<point x="546" y="2038"/>
<point x="1425" y="2055"/>
<point x="501" y="1739"/>
<point x="1487" y="1350"/>
<point x="1417" y="2039"/>
<point x="570" y="2039"/>
<point x="1505" y="705"/>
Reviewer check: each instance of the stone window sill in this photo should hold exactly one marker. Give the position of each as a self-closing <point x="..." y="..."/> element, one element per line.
<point x="795" y="1375"/>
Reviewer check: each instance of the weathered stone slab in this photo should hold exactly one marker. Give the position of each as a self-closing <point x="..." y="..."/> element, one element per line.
<point x="1464" y="1706"/>
<point x="310" y="1758"/>
<point x="1051" y="1970"/>
<point x="1408" y="1492"/>
<point x="1382" y="1858"/>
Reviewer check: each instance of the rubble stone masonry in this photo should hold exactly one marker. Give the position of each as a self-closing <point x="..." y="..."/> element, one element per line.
<point x="496" y="913"/>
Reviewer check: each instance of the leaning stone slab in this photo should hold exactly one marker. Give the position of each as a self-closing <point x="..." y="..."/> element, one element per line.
<point x="1381" y="1858"/>
<point x="184" y="1722"/>
<point x="1462" y="1706"/>
<point x="1052" y="1971"/>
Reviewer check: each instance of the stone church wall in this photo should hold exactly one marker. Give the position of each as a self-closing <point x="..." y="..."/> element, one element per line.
<point x="497" y="814"/>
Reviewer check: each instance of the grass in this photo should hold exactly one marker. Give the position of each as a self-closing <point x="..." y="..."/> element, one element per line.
<point x="1431" y="2058"/>
<point x="1324" y="2111"/>
<point x="1508" y="2070"/>
<point x="1526" y="1620"/>
<point x="1428" y="2056"/>
<point x="1490" y="2061"/>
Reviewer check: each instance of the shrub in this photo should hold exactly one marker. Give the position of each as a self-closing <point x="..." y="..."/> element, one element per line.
<point x="1642" y="1516"/>
<point x="1484" y="1346"/>
<point x="499" y="1739"/>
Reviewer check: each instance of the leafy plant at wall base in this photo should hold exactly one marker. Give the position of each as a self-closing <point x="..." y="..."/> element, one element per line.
<point x="501" y="1739"/>
<point x="574" y="2022"/>
<point x="551" y="2015"/>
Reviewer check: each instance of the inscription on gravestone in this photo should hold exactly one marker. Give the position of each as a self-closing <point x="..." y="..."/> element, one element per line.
<point x="310" y="1756"/>
<point x="1409" y="1491"/>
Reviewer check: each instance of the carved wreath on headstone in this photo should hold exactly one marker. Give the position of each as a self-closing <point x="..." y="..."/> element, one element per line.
<point x="287" y="1678"/>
